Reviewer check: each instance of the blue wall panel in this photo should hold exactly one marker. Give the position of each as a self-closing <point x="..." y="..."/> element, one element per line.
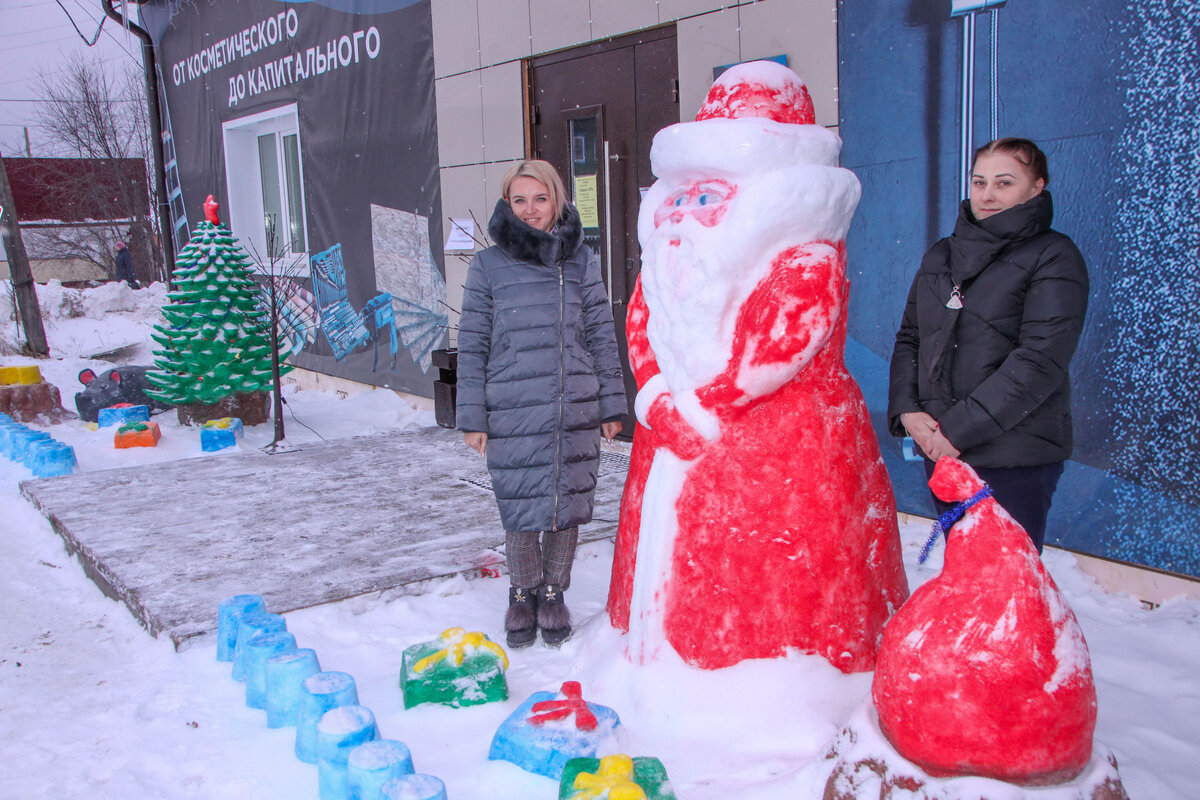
<point x="1111" y="91"/>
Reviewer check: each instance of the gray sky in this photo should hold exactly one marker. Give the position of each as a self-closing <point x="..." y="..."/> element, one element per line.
<point x="37" y="34"/>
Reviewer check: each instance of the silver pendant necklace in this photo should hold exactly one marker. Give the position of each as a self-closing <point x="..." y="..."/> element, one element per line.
<point x="955" y="301"/>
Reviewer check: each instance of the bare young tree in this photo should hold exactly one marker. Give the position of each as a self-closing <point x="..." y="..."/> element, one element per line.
<point x="86" y="113"/>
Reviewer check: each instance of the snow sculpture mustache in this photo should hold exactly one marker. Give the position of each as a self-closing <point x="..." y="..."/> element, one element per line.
<point x="757" y="515"/>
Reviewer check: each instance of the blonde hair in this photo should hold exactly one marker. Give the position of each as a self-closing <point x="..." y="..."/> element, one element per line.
<point x="541" y="171"/>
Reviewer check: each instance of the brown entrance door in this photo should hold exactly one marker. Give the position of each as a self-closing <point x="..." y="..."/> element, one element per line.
<point x="594" y="111"/>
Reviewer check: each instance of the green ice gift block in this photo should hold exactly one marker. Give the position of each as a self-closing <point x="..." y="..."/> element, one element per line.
<point x="616" y="777"/>
<point x="456" y="669"/>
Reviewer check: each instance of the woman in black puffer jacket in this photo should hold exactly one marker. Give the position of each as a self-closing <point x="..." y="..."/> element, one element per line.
<point x="539" y="380"/>
<point x="979" y="370"/>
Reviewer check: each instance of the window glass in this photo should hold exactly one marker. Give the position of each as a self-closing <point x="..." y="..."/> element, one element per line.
<point x="268" y="165"/>
<point x="264" y="167"/>
<point x="295" y="193"/>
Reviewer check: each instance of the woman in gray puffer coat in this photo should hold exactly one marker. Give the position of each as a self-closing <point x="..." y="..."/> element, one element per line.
<point x="539" y="380"/>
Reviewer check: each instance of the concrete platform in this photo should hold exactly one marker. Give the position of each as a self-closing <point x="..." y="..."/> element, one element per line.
<point x="313" y="526"/>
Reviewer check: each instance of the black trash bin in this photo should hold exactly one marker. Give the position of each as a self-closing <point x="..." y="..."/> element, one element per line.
<point x="444" y="390"/>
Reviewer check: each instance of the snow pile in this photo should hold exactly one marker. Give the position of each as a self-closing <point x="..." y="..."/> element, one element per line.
<point x="84" y="323"/>
<point x="110" y="326"/>
<point x="95" y="708"/>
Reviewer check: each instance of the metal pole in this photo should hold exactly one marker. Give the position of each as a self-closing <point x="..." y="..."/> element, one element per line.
<point x="966" y="142"/>
<point x="166" y="243"/>
<point x="994" y="50"/>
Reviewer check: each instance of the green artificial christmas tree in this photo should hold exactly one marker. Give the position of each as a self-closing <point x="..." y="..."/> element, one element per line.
<point x="214" y="356"/>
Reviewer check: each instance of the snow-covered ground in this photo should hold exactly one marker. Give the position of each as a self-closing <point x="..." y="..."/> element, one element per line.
<point x="92" y="707"/>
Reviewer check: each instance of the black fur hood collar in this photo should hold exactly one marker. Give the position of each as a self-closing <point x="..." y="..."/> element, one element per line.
<point x="528" y="244"/>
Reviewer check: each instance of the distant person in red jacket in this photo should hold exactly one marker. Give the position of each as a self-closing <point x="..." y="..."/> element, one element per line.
<point x="124" y="262"/>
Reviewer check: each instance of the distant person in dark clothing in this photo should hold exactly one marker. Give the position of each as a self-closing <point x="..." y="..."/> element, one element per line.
<point x="125" y="266"/>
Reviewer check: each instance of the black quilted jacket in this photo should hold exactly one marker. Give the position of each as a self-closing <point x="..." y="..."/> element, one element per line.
<point x="994" y="373"/>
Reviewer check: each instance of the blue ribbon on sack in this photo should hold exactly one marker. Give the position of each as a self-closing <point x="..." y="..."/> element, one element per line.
<point x="943" y="523"/>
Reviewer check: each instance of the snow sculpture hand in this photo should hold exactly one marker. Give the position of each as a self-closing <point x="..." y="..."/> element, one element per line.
<point x="673" y="431"/>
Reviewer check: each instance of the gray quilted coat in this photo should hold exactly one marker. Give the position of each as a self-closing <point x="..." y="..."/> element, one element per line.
<point x="538" y="369"/>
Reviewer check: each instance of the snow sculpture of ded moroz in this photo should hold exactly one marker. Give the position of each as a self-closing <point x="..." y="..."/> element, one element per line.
<point x="985" y="670"/>
<point x="757" y="514"/>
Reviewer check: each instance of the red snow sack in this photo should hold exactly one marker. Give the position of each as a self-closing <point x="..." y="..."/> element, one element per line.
<point x="985" y="671"/>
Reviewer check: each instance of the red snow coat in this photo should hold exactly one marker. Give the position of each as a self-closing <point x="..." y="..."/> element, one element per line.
<point x="787" y="533"/>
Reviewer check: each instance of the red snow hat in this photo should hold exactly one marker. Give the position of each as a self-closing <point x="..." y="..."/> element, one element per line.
<point x="758" y="117"/>
<point x="763" y="89"/>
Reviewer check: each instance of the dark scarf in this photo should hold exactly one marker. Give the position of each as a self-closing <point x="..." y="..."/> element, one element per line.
<point x="528" y="244"/>
<point x="976" y="243"/>
<point x="973" y="246"/>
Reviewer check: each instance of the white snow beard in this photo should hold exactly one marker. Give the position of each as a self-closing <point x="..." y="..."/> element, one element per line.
<point x="773" y="208"/>
<point x="694" y="298"/>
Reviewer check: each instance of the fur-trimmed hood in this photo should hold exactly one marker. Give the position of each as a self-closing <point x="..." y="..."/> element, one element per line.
<point x="528" y="244"/>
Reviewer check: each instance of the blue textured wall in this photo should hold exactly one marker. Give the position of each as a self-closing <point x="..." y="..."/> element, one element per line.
<point x="1111" y="91"/>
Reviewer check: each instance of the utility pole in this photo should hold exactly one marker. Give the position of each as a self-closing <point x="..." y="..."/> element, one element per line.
<point x="149" y="70"/>
<point x="18" y="268"/>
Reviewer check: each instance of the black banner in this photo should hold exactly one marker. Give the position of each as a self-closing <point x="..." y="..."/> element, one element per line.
<point x="318" y="117"/>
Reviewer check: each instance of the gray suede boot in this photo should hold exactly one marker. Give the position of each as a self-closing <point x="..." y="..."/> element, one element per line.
<point x="552" y="615"/>
<point x="520" y="621"/>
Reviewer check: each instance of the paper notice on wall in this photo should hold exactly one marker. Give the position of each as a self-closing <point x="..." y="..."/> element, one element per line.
<point x="462" y="235"/>
<point x="586" y="201"/>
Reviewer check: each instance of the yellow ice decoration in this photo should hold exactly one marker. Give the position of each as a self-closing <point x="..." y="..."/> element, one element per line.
<point x="456" y="642"/>
<point x="223" y="422"/>
<point x="29" y="374"/>
<point x="615" y="777"/>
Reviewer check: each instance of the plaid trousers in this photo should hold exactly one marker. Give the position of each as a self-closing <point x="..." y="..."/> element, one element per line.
<point x="537" y="557"/>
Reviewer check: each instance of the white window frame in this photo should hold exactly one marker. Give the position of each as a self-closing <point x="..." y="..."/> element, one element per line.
<point x="243" y="177"/>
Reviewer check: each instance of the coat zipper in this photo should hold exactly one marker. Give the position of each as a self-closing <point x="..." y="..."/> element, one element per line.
<point x="562" y="334"/>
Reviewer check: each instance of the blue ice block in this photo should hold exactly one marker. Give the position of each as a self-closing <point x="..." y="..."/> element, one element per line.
<point x="546" y="748"/>
<point x="320" y="693"/>
<point x="52" y="458"/>
<point x="340" y="731"/>
<point x="414" y="787"/>
<point x="23" y="443"/>
<point x="258" y="650"/>
<point x="120" y="415"/>
<point x="217" y="434"/>
<point x="229" y="614"/>
<point x="286" y="671"/>
<point x="252" y="624"/>
<point x="373" y="764"/>
<point x="7" y="431"/>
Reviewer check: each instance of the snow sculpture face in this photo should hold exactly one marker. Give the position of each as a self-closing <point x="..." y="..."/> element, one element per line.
<point x="706" y="201"/>
<point x="751" y="177"/>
